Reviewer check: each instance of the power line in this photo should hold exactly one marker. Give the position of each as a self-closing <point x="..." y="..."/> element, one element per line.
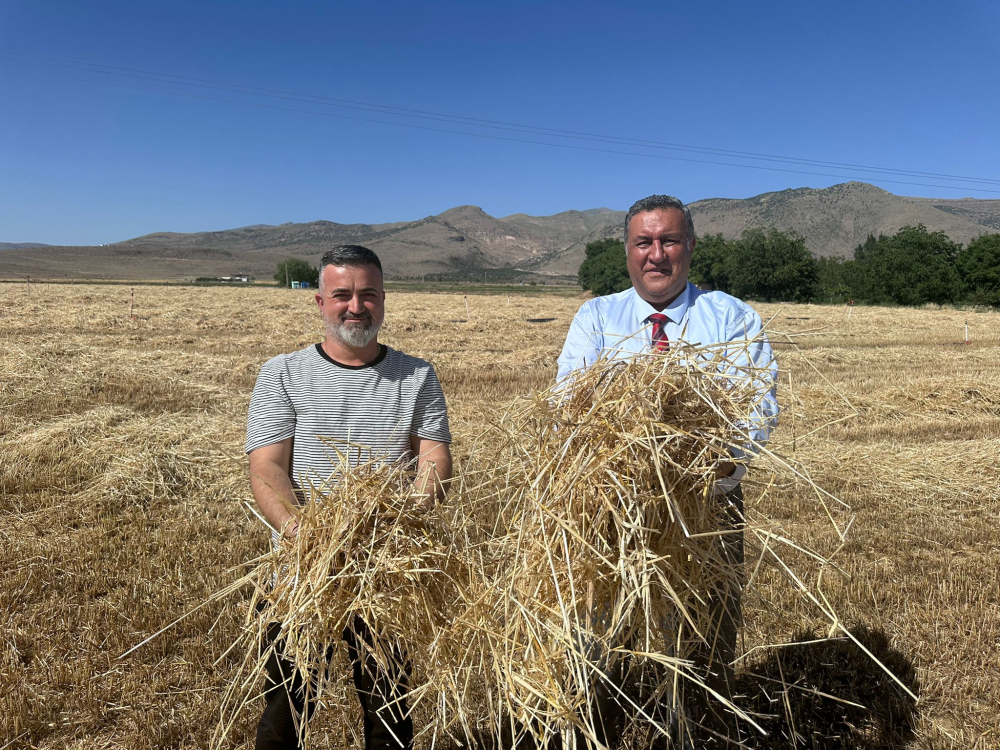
<point x="171" y="79"/>
<point x="259" y="105"/>
<point x="476" y="122"/>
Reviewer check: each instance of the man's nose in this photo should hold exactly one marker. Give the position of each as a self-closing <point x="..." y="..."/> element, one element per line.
<point x="656" y="251"/>
<point x="356" y="305"/>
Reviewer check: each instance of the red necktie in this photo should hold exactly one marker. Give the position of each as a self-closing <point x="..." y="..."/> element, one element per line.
<point x="660" y="341"/>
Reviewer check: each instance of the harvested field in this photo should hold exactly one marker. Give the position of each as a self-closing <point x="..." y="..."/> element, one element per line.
<point x="122" y="480"/>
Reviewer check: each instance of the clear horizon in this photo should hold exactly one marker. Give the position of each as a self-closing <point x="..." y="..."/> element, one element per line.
<point x="125" y="120"/>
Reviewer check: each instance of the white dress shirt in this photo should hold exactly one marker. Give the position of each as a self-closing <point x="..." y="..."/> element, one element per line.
<point x="618" y="326"/>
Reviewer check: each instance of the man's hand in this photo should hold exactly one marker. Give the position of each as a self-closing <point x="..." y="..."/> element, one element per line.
<point x="725" y="469"/>
<point x="290" y="530"/>
<point x="421" y="501"/>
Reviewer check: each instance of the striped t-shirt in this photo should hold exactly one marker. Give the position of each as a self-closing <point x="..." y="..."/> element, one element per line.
<point x="323" y="404"/>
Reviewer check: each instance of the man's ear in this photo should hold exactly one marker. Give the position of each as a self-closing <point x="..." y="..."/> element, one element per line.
<point x="319" y="299"/>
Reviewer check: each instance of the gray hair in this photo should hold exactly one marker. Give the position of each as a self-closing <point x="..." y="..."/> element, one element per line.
<point x="348" y="255"/>
<point x="654" y="202"/>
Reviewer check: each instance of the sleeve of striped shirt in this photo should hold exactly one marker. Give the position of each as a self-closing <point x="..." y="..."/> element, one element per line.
<point x="271" y="416"/>
<point x="430" y="417"/>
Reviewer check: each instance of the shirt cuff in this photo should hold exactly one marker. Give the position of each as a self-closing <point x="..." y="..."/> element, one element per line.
<point x="728" y="484"/>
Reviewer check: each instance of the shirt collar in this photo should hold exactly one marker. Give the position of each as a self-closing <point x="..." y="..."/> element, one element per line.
<point x="675" y="311"/>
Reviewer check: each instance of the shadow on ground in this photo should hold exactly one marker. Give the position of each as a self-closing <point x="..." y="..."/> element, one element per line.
<point x="802" y="694"/>
<point x="816" y="694"/>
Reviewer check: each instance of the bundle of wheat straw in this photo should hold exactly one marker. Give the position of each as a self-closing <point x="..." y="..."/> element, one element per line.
<point x="612" y="545"/>
<point x="371" y="559"/>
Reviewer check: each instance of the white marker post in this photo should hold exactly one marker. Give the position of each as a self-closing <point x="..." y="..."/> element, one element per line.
<point x="468" y="313"/>
<point x="966" y="333"/>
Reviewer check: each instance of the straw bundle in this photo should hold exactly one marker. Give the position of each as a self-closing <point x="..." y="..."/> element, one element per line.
<point x="614" y="547"/>
<point x="371" y="561"/>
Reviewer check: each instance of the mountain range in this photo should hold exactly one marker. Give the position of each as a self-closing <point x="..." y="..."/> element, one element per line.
<point x="466" y="241"/>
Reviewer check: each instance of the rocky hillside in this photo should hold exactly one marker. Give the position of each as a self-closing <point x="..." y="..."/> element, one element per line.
<point x="467" y="240"/>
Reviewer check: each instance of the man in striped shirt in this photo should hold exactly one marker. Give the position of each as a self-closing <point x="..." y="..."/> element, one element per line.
<point x="349" y="390"/>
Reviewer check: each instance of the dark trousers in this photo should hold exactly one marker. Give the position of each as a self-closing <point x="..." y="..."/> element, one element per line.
<point x="711" y="724"/>
<point x="386" y="723"/>
<point x="708" y="725"/>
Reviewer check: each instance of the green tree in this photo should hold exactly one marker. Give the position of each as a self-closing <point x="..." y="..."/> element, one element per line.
<point x="832" y="280"/>
<point x="710" y="262"/>
<point x="978" y="267"/>
<point x="296" y="269"/>
<point x="862" y="284"/>
<point x="772" y="266"/>
<point x="604" y="270"/>
<point x="912" y="267"/>
<point x="852" y="275"/>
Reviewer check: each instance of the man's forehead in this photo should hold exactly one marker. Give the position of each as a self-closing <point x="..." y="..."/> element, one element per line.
<point x="672" y="215"/>
<point x="353" y="274"/>
<point x="355" y="287"/>
<point x="673" y="218"/>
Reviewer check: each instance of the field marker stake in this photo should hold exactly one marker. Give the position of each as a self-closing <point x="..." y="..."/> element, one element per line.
<point x="131" y="305"/>
<point x="468" y="313"/>
<point x="966" y="332"/>
<point x="791" y="390"/>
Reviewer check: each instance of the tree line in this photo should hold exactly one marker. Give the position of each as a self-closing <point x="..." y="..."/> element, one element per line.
<point x="912" y="267"/>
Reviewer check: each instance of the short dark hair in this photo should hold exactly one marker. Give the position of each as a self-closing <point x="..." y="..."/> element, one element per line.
<point x="654" y="202"/>
<point x="349" y="255"/>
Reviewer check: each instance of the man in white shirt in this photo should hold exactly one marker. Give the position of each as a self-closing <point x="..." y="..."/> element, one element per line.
<point x="662" y="306"/>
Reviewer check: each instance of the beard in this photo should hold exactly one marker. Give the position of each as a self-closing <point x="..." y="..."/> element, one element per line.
<point x="354" y="335"/>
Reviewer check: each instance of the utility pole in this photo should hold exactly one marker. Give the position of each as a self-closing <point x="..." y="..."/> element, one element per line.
<point x="287" y="282"/>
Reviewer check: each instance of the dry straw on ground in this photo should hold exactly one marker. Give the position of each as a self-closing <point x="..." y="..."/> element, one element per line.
<point x="122" y="491"/>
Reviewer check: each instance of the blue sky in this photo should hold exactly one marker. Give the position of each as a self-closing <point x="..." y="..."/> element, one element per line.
<point x="99" y="154"/>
